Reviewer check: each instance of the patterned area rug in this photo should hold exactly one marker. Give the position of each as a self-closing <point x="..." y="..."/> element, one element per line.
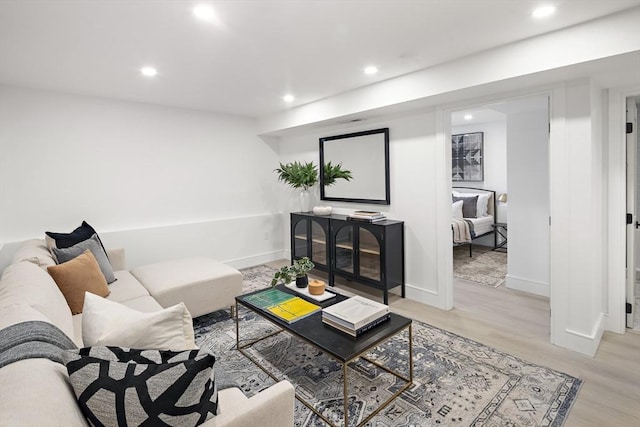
<point x="487" y="267"/>
<point x="457" y="381"/>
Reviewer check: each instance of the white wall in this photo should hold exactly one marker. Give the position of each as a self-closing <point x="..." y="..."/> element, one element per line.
<point x="203" y="181"/>
<point x="414" y="164"/>
<point x="577" y="234"/>
<point x="528" y="177"/>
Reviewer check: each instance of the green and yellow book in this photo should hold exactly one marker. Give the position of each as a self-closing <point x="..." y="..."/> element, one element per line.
<point x="268" y="298"/>
<point x="294" y="309"/>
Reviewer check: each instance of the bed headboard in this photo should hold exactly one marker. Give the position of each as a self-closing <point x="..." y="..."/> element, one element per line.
<point x="491" y="208"/>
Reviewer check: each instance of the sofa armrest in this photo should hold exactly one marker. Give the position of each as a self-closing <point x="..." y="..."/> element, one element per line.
<point x="117" y="259"/>
<point x="272" y="407"/>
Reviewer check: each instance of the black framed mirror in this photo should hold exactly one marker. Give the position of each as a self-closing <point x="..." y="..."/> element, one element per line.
<point x="366" y="155"/>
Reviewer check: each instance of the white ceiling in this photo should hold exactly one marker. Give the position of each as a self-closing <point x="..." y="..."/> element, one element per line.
<point x="258" y="50"/>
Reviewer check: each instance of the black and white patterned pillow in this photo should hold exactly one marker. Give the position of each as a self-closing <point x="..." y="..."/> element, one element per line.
<point x="126" y="387"/>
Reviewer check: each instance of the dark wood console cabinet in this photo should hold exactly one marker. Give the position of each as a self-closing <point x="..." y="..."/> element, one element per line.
<point x="367" y="253"/>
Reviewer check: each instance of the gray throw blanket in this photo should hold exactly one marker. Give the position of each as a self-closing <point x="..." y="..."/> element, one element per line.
<point x="33" y="339"/>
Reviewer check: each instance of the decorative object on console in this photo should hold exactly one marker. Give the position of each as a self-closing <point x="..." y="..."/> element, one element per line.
<point x="322" y="210"/>
<point x="299" y="175"/>
<point x="467" y="157"/>
<point x="297" y="270"/>
<point x="113" y="383"/>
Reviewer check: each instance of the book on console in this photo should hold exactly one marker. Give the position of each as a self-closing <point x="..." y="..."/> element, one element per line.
<point x="357" y="332"/>
<point x="355" y="312"/>
<point x="352" y="218"/>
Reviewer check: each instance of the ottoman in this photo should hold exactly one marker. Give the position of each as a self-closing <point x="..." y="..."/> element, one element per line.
<point x="204" y="285"/>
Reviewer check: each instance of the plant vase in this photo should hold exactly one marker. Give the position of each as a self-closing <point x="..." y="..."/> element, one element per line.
<point x="302" y="281"/>
<point x="305" y="201"/>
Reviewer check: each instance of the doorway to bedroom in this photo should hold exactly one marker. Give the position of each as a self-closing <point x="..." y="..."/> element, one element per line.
<point x="502" y="149"/>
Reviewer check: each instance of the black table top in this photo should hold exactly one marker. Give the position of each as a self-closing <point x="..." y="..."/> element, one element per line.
<point x="339" y="345"/>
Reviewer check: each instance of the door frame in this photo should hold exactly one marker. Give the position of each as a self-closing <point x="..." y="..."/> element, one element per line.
<point x="443" y="135"/>
<point x="615" y="320"/>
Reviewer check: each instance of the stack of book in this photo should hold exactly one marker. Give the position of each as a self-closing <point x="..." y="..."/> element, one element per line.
<point x="356" y="315"/>
<point x="366" y="216"/>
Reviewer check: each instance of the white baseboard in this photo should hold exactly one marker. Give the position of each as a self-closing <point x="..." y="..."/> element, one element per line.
<point x="526" y="285"/>
<point x="586" y="343"/>
<point x="424" y="296"/>
<point x="255" y="260"/>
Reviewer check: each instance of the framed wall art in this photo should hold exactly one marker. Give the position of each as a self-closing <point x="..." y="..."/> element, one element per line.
<point x="467" y="157"/>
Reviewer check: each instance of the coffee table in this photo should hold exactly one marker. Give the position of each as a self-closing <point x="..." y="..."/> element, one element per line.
<point x="340" y="346"/>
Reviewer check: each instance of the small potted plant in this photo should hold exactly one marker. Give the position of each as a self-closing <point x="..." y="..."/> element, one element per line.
<point x="298" y="270"/>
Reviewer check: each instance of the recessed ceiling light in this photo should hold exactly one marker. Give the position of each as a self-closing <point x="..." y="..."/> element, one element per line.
<point x="288" y="98"/>
<point x="204" y="12"/>
<point x="544" y="11"/>
<point x="370" y="70"/>
<point x="148" y="71"/>
<point x="468" y="117"/>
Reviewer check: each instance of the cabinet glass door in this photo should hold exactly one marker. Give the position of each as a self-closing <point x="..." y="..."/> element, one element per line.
<point x="344" y="249"/>
<point x="318" y="244"/>
<point x="369" y="255"/>
<point x="300" y="239"/>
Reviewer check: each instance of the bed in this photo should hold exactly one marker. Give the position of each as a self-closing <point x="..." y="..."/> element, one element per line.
<point x="473" y="215"/>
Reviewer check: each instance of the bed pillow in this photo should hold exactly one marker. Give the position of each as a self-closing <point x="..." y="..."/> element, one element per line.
<point x="74" y="278"/>
<point x="107" y="323"/>
<point x="469" y="206"/>
<point x="456" y="208"/>
<point x="92" y="244"/>
<point x="482" y="208"/>
<point x="120" y="386"/>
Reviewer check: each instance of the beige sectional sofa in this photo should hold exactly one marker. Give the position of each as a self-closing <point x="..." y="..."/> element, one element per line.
<point x="36" y="392"/>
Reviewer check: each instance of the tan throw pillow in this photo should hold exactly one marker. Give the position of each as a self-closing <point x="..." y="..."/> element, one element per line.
<point x="74" y="278"/>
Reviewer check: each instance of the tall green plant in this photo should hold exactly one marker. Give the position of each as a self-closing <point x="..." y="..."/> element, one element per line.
<point x="333" y="172"/>
<point x="298" y="175"/>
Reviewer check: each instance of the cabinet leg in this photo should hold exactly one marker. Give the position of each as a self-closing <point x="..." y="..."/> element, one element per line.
<point x="386" y="297"/>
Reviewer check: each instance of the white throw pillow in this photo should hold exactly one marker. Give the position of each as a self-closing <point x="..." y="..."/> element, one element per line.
<point x="457" y="209"/>
<point x="109" y="323"/>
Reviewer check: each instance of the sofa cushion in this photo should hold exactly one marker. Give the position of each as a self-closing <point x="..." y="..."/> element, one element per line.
<point x="26" y="283"/>
<point x="107" y="323"/>
<point x="126" y="287"/>
<point x="204" y="285"/>
<point x="143" y="387"/>
<point x="35" y="251"/>
<point x="74" y="278"/>
<point x="92" y="244"/>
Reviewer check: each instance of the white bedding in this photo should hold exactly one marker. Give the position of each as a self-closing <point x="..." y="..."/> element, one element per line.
<point x="482" y="225"/>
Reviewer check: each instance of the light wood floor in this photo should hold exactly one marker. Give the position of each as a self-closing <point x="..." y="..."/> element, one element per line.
<point x="518" y="323"/>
